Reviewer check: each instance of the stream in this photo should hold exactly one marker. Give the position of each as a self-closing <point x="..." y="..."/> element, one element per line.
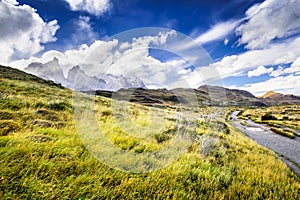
<point x="260" y="133"/>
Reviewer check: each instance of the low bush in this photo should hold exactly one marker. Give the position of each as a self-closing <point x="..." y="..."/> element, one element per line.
<point x="48" y="115"/>
<point x="42" y="123"/>
<point x="160" y="137"/>
<point x="11" y="104"/>
<point x="282" y="132"/>
<point x="268" y="116"/>
<point x="59" y="106"/>
<point x="4" y="115"/>
<point x="8" y="126"/>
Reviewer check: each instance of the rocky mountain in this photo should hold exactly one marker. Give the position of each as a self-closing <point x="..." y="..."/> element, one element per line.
<point x="275" y="98"/>
<point x="276" y="95"/>
<point x="271" y="94"/>
<point x="206" y="95"/>
<point x="48" y="71"/>
<point x="77" y="78"/>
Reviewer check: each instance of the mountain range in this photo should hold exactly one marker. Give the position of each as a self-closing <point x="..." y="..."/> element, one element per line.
<point x="204" y="95"/>
<point x="126" y="87"/>
<point x="77" y="79"/>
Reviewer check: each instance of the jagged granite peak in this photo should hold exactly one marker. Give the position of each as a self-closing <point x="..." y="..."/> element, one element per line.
<point x="77" y="79"/>
<point x="50" y="70"/>
<point x="113" y="82"/>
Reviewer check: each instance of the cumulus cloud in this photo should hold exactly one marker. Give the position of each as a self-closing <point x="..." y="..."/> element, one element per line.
<point x="130" y="58"/>
<point x="278" y="72"/>
<point x="272" y="19"/>
<point x="294" y="68"/>
<point x="84" y="31"/>
<point x="22" y="31"/>
<point x="287" y="85"/>
<point x="94" y="7"/>
<point x="275" y="54"/>
<point x="261" y="70"/>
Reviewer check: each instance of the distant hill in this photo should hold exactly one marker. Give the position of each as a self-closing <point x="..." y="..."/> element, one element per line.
<point x="271" y="94"/>
<point x="15" y="74"/>
<point x="275" y="98"/>
<point x="204" y="95"/>
<point x="276" y="95"/>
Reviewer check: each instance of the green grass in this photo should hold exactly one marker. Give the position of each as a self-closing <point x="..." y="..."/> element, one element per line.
<point x="282" y="117"/>
<point x="43" y="157"/>
<point x="283" y="132"/>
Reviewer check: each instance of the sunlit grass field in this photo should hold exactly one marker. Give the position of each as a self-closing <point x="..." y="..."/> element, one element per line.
<point x="42" y="156"/>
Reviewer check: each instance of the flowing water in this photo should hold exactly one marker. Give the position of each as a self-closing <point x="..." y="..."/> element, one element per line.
<point x="260" y="133"/>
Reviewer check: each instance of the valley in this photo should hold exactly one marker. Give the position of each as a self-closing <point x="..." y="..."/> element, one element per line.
<point x="45" y="155"/>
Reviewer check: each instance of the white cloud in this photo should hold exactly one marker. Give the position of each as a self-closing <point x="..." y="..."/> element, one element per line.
<point x="286" y="85"/>
<point x="94" y="7"/>
<point x="261" y="70"/>
<point x="226" y="41"/>
<point x="278" y="72"/>
<point x="269" y="20"/>
<point x="275" y="54"/>
<point x="217" y="32"/>
<point x="129" y="58"/>
<point x="84" y="31"/>
<point x="22" y="31"/>
<point x="295" y="67"/>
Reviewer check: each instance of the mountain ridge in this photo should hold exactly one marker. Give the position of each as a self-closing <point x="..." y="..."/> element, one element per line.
<point x="206" y="94"/>
<point x="276" y="95"/>
<point x="77" y="78"/>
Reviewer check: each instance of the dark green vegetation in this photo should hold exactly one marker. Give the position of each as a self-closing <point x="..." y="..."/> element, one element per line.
<point x="42" y="156"/>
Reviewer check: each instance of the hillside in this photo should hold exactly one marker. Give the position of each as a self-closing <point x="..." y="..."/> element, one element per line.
<point x="43" y="156"/>
<point x="275" y="98"/>
<point x="271" y="94"/>
<point x="204" y="95"/>
<point x="78" y="79"/>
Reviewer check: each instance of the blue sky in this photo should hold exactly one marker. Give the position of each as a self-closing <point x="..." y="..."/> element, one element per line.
<point x="253" y="45"/>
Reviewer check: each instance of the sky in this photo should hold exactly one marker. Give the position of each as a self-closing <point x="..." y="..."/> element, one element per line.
<point x="245" y="44"/>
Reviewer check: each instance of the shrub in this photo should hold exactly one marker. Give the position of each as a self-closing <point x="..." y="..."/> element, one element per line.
<point x="125" y="143"/>
<point x="39" y="138"/>
<point x="40" y="105"/>
<point x="42" y="123"/>
<point x="4" y="115"/>
<point x="160" y="137"/>
<point x="59" y="106"/>
<point x="48" y="114"/>
<point x="105" y="113"/>
<point x="8" y="126"/>
<point x="268" y="116"/>
<point x="282" y="132"/>
<point x="11" y="104"/>
<point x="219" y="126"/>
<point x="285" y="118"/>
<point x="139" y="149"/>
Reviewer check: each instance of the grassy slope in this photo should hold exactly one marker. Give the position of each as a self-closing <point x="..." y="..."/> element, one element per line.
<point x="41" y="156"/>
